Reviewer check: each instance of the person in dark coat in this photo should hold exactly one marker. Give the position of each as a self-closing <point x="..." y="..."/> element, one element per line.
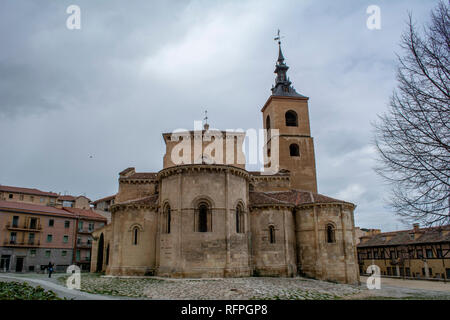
<point x="50" y="269"/>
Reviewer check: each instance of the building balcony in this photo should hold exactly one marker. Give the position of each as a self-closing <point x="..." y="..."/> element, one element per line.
<point x="16" y="227"/>
<point x="85" y="231"/>
<point x="23" y="244"/>
<point x="84" y="245"/>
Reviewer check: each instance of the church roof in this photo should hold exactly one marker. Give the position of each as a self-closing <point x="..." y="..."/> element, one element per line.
<point x="283" y="85"/>
<point x="151" y="201"/>
<point x="290" y="197"/>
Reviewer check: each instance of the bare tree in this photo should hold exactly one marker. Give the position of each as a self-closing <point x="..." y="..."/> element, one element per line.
<point x="413" y="137"/>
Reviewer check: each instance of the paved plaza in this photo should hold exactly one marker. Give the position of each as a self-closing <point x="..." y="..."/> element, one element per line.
<point x="103" y="287"/>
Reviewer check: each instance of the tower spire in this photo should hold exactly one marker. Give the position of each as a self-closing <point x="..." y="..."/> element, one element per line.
<point x="282" y="83"/>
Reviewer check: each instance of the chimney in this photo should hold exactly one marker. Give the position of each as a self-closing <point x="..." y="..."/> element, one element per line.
<point x="416" y="227"/>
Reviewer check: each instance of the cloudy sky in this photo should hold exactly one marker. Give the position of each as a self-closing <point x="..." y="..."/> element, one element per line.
<point x="79" y="106"/>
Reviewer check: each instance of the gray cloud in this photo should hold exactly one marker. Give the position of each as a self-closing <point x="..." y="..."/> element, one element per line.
<point x="137" y="69"/>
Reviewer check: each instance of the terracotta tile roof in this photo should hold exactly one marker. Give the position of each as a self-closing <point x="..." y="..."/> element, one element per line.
<point x="261" y="198"/>
<point x="403" y="237"/>
<point x="140" y="175"/>
<point x="66" y="198"/>
<point x="105" y="199"/>
<point x="293" y="197"/>
<point x="85" y="214"/>
<point x="32" y="208"/>
<point x="143" y="175"/>
<point x="149" y="200"/>
<point x="279" y="173"/>
<point x="36" y="192"/>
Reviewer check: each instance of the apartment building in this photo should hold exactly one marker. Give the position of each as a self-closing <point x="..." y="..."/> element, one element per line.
<point x="87" y="221"/>
<point x="28" y="195"/>
<point x="103" y="205"/>
<point x="415" y="253"/>
<point x="33" y="235"/>
<point x="38" y="227"/>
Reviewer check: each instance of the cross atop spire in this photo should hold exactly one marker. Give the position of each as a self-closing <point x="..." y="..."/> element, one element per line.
<point x="282" y="83"/>
<point x="206" y="125"/>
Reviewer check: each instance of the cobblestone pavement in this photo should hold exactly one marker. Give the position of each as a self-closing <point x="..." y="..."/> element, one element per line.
<point x="104" y="287"/>
<point x="53" y="285"/>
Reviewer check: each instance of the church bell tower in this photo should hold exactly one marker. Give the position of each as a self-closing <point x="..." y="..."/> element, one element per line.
<point x="287" y="111"/>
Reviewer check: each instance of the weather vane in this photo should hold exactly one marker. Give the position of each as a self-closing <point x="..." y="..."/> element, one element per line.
<point x="278" y="37"/>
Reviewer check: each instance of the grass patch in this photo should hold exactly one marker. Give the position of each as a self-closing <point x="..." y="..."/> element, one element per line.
<point x="23" y="291"/>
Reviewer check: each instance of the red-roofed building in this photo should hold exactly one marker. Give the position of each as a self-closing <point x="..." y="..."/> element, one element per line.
<point x="28" y="195"/>
<point x="414" y="253"/>
<point x="37" y="227"/>
<point x="87" y="221"/>
<point x="33" y="235"/>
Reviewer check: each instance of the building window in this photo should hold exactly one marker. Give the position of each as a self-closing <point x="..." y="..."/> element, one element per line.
<point x="78" y="240"/>
<point x="89" y="241"/>
<point x="33" y="223"/>
<point x="91" y="226"/>
<point x="330" y="234"/>
<point x="268" y="123"/>
<point x="13" y="237"/>
<point x="78" y="255"/>
<point x="135" y="236"/>
<point x="15" y="221"/>
<point x="271" y="234"/>
<point x="31" y="198"/>
<point x="369" y="255"/>
<point x="67" y="224"/>
<point x="51" y="223"/>
<point x="47" y="253"/>
<point x="239" y="220"/>
<point x="392" y="254"/>
<point x="167" y="219"/>
<point x="21" y="197"/>
<point x="10" y="196"/>
<point x="419" y="253"/>
<point x="375" y="254"/>
<point x="31" y="238"/>
<point x="80" y="225"/>
<point x="64" y="253"/>
<point x="33" y="252"/>
<point x="291" y="119"/>
<point x="439" y="253"/>
<point x="41" y="200"/>
<point x="429" y="253"/>
<point x="49" y="238"/>
<point x="66" y="239"/>
<point x="203" y="218"/>
<point x="294" y="150"/>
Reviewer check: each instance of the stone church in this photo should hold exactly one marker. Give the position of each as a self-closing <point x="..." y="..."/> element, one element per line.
<point x="205" y="219"/>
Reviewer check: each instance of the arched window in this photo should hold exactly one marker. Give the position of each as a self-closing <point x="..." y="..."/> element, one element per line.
<point x="167" y="219"/>
<point x="272" y="234"/>
<point x="330" y="234"/>
<point x="239" y="220"/>
<point x="203" y="212"/>
<point x="135" y="236"/>
<point x="294" y="150"/>
<point x="268" y="123"/>
<point x="291" y="119"/>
